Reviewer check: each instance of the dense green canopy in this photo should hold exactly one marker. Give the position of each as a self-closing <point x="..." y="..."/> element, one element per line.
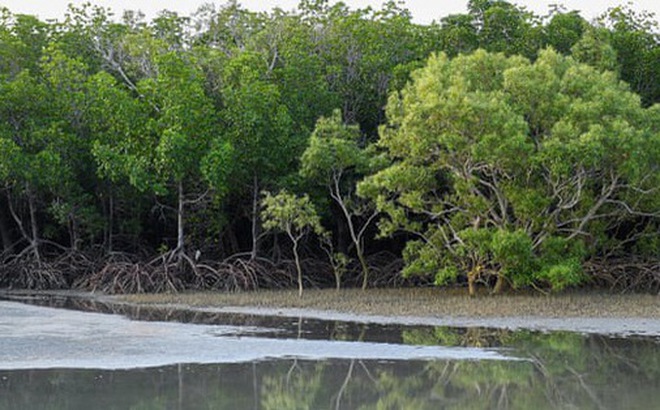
<point x="494" y="143"/>
<point x="516" y="169"/>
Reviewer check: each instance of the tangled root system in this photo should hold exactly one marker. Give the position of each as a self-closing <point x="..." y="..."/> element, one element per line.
<point x="121" y="274"/>
<point x="27" y="270"/>
<point x="32" y="275"/>
<point x="625" y="275"/>
<point x="236" y="274"/>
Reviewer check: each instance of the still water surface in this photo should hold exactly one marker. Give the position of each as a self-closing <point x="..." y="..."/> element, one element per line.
<point x="350" y="366"/>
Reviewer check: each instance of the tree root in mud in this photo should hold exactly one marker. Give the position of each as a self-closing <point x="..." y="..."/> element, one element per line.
<point x="31" y="275"/>
<point x="625" y="275"/>
<point x="235" y="274"/>
<point x="384" y="272"/>
<point x="29" y="271"/>
<point x="121" y="274"/>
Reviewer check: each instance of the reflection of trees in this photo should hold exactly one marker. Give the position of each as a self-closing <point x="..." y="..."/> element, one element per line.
<point x="298" y="388"/>
<point x="466" y="337"/>
<point x="564" y="370"/>
<point x="311" y="385"/>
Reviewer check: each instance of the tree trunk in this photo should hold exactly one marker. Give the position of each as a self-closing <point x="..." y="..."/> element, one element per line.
<point x="32" y="237"/>
<point x="75" y="228"/>
<point x="472" y="278"/>
<point x="298" y="268"/>
<point x="500" y="284"/>
<point x="180" y="232"/>
<point x="34" y="227"/>
<point x="5" y="235"/>
<point x="343" y="240"/>
<point x="365" y="267"/>
<point x="355" y="237"/>
<point x="230" y="241"/>
<point x="276" y="254"/>
<point x="111" y="221"/>
<point x="255" y="218"/>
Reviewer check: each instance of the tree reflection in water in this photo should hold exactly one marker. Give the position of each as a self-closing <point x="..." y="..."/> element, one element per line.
<point x="561" y="370"/>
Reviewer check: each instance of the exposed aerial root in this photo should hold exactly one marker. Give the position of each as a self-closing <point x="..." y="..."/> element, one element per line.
<point x="120" y="274"/>
<point x="236" y="274"/>
<point x="31" y="275"/>
<point x="29" y="270"/>
<point x="626" y="275"/>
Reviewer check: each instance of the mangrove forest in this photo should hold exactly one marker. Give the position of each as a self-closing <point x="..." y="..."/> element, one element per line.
<point x="330" y="147"/>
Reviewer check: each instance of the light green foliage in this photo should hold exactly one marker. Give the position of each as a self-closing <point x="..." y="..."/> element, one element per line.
<point x="594" y="49"/>
<point x="333" y="150"/>
<point x="294" y="216"/>
<point x="510" y="167"/>
<point x="333" y="159"/>
<point x="290" y="214"/>
<point x="514" y="253"/>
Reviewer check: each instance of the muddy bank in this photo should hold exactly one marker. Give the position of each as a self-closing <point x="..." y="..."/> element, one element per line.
<point x="424" y="302"/>
<point x="599" y="313"/>
<point x="578" y="312"/>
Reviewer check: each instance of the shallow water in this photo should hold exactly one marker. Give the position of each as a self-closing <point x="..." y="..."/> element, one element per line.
<point x="174" y="359"/>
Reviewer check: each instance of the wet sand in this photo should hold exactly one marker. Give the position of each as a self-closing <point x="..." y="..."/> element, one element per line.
<point x="627" y="314"/>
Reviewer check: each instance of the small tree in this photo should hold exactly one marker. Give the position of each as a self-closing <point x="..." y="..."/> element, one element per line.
<point x="294" y="216"/>
<point x="334" y="158"/>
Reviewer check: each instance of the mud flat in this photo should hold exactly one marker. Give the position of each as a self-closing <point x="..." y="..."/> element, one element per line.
<point x="627" y="314"/>
<point x="584" y="312"/>
<point x="37" y="337"/>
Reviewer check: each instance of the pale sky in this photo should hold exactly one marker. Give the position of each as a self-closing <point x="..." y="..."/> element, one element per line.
<point x="424" y="11"/>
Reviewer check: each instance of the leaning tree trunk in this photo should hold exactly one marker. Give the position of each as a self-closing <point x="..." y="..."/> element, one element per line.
<point x="31" y="236"/>
<point x="298" y="267"/>
<point x="500" y="284"/>
<point x="335" y="193"/>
